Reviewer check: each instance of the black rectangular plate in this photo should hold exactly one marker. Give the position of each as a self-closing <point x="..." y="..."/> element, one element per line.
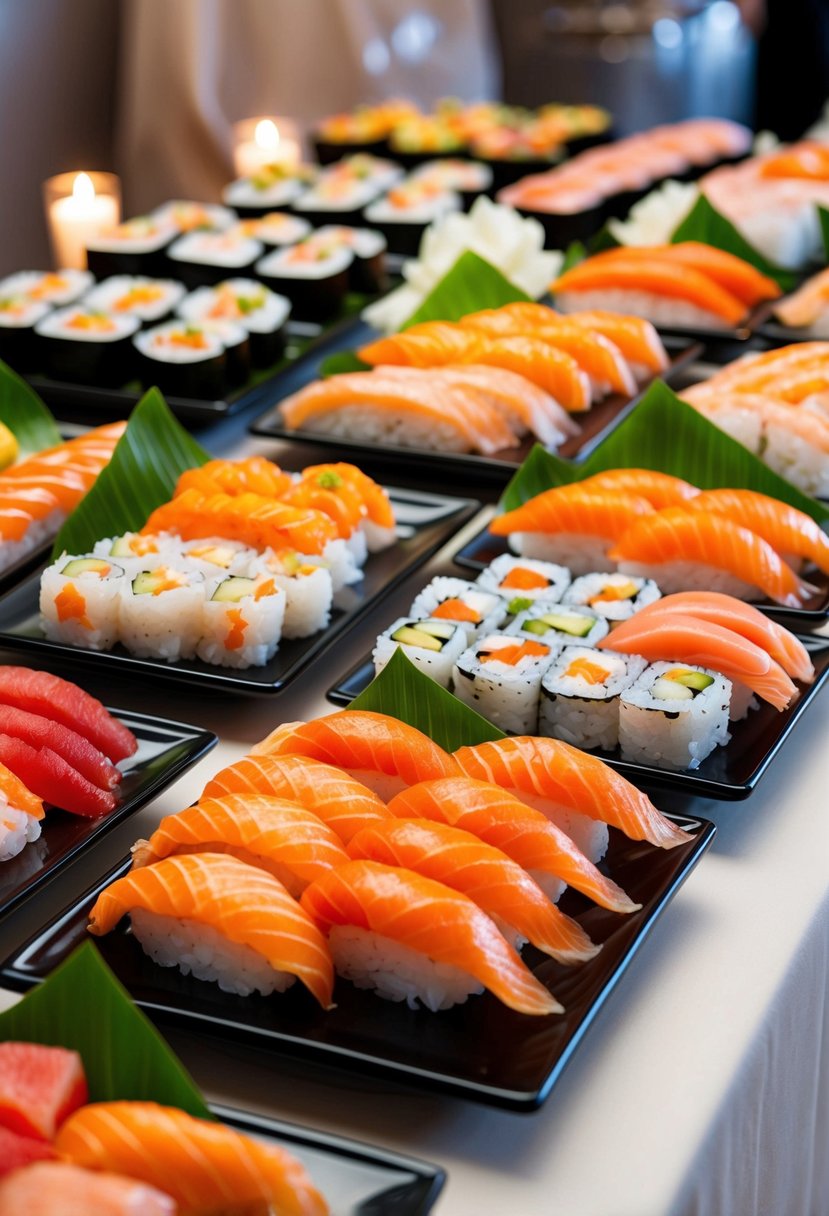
<point x="425" y="522"/>
<point x="165" y="750"/>
<point x="729" y="773"/>
<point x="356" y="1179"/>
<point x="486" y="546"/>
<point x="596" y="423"/>
<point x="480" y="1050"/>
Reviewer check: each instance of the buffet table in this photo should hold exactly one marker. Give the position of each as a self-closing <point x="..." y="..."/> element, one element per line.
<point x="703" y="1087"/>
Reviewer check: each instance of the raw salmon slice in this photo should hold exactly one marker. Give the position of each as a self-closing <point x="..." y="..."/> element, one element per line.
<point x="786" y="529"/>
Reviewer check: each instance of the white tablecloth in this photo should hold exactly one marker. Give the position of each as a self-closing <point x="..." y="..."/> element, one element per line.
<point x="703" y="1087"/>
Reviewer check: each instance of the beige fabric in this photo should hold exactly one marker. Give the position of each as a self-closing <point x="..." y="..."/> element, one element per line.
<point x="190" y="68"/>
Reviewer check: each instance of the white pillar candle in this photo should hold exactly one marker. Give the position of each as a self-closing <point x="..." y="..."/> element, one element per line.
<point x="264" y="141"/>
<point x="78" y="217"/>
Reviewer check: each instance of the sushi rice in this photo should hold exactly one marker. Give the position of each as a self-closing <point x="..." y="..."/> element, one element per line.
<point x="670" y="731"/>
<point x="580" y="696"/>
<point x="432" y="645"/>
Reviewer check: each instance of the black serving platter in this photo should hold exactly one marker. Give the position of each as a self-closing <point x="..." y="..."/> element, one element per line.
<point x="486" y="546"/>
<point x="480" y="1050"/>
<point x="355" y="1179"/>
<point x="596" y="423"/>
<point x="729" y="773"/>
<point x="165" y="750"/>
<point x="425" y="521"/>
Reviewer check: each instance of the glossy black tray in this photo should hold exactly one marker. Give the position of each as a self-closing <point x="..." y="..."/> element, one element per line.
<point x="355" y="1179"/>
<point x="729" y="773"/>
<point x="486" y="546"/>
<point x="596" y="423"/>
<point x="425" y="522"/>
<point x="165" y="750"/>
<point x="479" y="1050"/>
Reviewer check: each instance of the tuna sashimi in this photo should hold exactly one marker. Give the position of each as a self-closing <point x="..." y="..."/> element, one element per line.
<point x="51" y="778"/>
<point x="38" y="692"/>
<point x="205" y="1167"/>
<point x="430" y="919"/>
<point x="58" y="1189"/>
<point x="287" y="840"/>
<point x="77" y="751"/>
<point x="17" y="1151"/>
<point x="342" y="802"/>
<point x="39" y="1087"/>
<point x="491" y="879"/>
<point x="378" y="750"/>
<point x="246" y="905"/>
<point x="524" y="834"/>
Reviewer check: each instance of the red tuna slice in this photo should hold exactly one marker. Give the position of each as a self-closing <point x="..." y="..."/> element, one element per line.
<point x="17" y="1151"/>
<point x="78" y="752"/>
<point x="39" y="692"/>
<point x="39" y="1087"/>
<point x="49" y="776"/>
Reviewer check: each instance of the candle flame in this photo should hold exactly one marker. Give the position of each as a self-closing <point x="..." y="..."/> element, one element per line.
<point x="83" y="188"/>
<point x="266" y="135"/>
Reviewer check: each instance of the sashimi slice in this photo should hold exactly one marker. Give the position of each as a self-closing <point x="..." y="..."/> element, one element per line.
<point x="378" y="750"/>
<point x="565" y="776"/>
<point x="38" y="692"/>
<point x="524" y="834"/>
<point x="205" y="1167"/>
<point x="679" y="638"/>
<point x="51" y="778"/>
<point x="572" y="509"/>
<point x="276" y="835"/>
<point x="245" y="904"/>
<point x="39" y="1087"/>
<point x="342" y="802"/>
<point x="717" y="609"/>
<point x="58" y="1189"/>
<point x="635" y="337"/>
<point x="492" y="880"/>
<point x="429" y="918"/>
<point x="786" y="529"/>
<point x="680" y="535"/>
<point x="655" y="278"/>
<point x="17" y="1151"/>
<point x="659" y="489"/>
<point x="77" y="751"/>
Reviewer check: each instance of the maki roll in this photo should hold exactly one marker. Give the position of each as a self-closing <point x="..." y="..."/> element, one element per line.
<point x="271" y="186"/>
<point x="308" y="587"/>
<point x="276" y="228"/>
<point x="314" y="277"/>
<point x="86" y="347"/>
<point x="674" y="715"/>
<point x="614" y="596"/>
<point x="249" y="304"/>
<point x="79" y="599"/>
<point x="150" y="300"/>
<point x="18" y="316"/>
<point x="523" y="578"/>
<point x="183" y="359"/>
<point x="242" y="622"/>
<point x="367" y="273"/>
<point x="236" y="341"/>
<point x="467" y="178"/>
<point x="580" y="696"/>
<point x="569" y="625"/>
<point x="462" y="603"/>
<point x="205" y="258"/>
<point x="55" y="287"/>
<point x="432" y="645"/>
<point x="134" y="247"/>
<point x="500" y="677"/>
<point x="186" y="216"/>
<point x="161" y="613"/>
<point x="405" y="213"/>
<point x="344" y="189"/>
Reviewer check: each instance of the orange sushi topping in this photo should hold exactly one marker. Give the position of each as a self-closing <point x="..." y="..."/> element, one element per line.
<point x="513" y="654"/>
<point x="137" y="295"/>
<point x="235" y="638"/>
<point x="523" y="579"/>
<point x="613" y="592"/>
<point x="456" y="610"/>
<point x="91" y="322"/>
<point x="192" y="339"/>
<point x="47" y="285"/>
<point x="591" y="672"/>
<point x="268" y="587"/>
<point x="71" y="606"/>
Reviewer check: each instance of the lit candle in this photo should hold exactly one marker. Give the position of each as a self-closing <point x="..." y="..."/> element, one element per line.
<point x="264" y="141"/>
<point x="76" y="217"/>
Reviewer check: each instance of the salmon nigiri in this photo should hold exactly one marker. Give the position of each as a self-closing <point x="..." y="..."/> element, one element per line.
<point x="524" y="834"/>
<point x="717" y="609"/>
<point x="412" y="938"/>
<point x="635" y="337"/>
<point x="664" y="545"/>
<point x="287" y="840"/>
<point x="380" y="751"/>
<point x="205" y="1167"/>
<point x="247" y="517"/>
<point x="555" y="777"/>
<point x="492" y="880"/>
<point x="677" y="637"/>
<point x="253" y="934"/>
<point x="732" y="273"/>
<point x="55" y="1188"/>
<point x="789" y="531"/>
<point x="337" y="798"/>
<point x="660" y="489"/>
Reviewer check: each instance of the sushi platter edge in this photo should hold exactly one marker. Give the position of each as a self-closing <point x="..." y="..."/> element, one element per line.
<point x="172" y="999"/>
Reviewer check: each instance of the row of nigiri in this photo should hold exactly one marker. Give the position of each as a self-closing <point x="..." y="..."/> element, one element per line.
<point x="653" y="525"/>
<point x="399" y="897"/>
